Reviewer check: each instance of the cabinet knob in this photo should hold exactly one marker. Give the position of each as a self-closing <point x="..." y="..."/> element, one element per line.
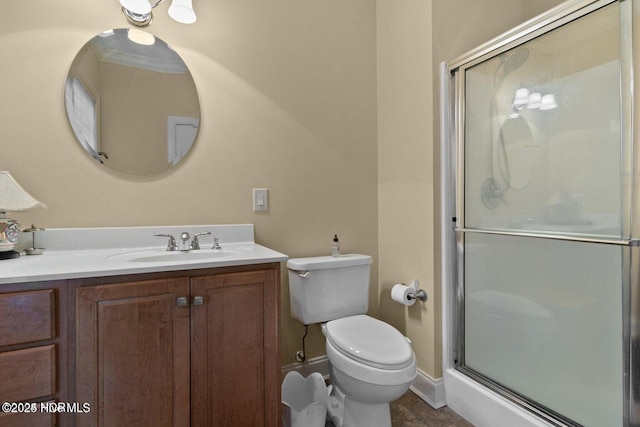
<point x="198" y="300"/>
<point x="181" y="301"/>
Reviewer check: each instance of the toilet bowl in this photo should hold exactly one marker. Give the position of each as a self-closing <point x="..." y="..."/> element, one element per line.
<point x="370" y="362"/>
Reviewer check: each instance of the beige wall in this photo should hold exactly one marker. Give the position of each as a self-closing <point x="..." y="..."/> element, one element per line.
<point x="405" y="178"/>
<point x="414" y="36"/>
<point x="288" y="99"/>
<point x="331" y="104"/>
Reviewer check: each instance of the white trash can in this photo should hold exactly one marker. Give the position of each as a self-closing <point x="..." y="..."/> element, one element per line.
<point x="304" y="400"/>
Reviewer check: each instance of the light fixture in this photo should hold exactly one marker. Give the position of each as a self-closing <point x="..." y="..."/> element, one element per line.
<point x="12" y="198"/>
<point x="139" y="12"/>
<point x="521" y="98"/>
<point x="139" y="7"/>
<point x="182" y="11"/>
<point x="532" y="100"/>
<point x="535" y="100"/>
<point x="548" y="102"/>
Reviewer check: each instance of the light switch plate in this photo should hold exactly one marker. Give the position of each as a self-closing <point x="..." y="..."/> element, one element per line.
<point x="260" y="199"/>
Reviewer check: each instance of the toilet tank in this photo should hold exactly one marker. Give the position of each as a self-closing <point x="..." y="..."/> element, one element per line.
<point x="327" y="288"/>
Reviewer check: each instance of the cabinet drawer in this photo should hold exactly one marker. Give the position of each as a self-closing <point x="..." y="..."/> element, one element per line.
<point x="28" y="374"/>
<point x="36" y="419"/>
<point x="26" y="317"/>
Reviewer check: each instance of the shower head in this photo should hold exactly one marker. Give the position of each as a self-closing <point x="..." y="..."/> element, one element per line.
<point x="511" y="61"/>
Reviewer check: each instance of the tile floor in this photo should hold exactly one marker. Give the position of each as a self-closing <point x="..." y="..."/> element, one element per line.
<point x="411" y="411"/>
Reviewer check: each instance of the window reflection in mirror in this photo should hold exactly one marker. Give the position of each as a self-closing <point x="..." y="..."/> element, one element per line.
<point x="132" y="105"/>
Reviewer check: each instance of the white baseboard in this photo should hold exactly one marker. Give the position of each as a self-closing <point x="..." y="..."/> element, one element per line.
<point x="429" y="389"/>
<point x="424" y="386"/>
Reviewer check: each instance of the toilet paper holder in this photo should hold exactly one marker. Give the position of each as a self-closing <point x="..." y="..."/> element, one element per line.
<point x="418" y="293"/>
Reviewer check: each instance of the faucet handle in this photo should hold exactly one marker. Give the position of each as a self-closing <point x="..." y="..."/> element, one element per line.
<point x="195" y="244"/>
<point x="171" y="244"/>
<point x="216" y="245"/>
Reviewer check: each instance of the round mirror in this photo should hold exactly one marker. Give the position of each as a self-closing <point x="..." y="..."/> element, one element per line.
<point x="132" y="103"/>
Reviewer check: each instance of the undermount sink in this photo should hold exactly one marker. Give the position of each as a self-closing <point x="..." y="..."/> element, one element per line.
<point x="161" y="255"/>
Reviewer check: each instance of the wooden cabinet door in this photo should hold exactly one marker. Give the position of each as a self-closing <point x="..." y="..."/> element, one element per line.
<point x="132" y="353"/>
<point x="235" y="372"/>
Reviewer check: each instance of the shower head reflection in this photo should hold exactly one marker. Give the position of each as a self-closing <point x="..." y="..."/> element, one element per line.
<point x="511" y="61"/>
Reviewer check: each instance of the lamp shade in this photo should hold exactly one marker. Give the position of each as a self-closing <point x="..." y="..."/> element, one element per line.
<point x="13" y="197"/>
<point x="548" y="102"/>
<point x="182" y="11"/>
<point x="521" y="98"/>
<point x="139" y="7"/>
<point x="535" y="100"/>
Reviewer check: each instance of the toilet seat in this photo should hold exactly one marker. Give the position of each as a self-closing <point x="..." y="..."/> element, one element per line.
<point x="369" y="374"/>
<point x="370" y="341"/>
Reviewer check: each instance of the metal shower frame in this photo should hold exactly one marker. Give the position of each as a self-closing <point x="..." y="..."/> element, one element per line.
<point x="452" y="90"/>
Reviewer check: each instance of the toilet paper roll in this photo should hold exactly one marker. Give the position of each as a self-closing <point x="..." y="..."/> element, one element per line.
<point x="400" y="293"/>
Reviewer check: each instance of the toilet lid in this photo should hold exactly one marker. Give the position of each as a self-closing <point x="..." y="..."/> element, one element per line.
<point x="370" y="341"/>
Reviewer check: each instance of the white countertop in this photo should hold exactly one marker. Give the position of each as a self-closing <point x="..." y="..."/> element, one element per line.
<point x="95" y="252"/>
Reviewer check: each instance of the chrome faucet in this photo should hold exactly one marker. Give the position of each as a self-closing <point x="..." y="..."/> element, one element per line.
<point x="171" y="244"/>
<point x="184" y="242"/>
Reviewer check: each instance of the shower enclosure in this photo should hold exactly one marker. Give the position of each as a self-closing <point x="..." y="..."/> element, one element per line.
<point x="541" y="220"/>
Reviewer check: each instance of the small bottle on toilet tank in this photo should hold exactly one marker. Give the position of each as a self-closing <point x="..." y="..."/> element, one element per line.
<point x="335" y="246"/>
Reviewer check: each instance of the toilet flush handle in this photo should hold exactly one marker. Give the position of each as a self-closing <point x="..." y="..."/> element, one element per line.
<point x="305" y="274"/>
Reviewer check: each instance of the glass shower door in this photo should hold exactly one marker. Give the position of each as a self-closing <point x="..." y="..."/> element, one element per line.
<point x="541" y="222"/>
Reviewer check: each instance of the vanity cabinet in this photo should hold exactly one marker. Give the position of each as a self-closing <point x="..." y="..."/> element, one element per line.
<point x="132" y="353"/>
<point x="235" y="371"/>
<point x="197" y="347"/>
<point x="32" y="352"/>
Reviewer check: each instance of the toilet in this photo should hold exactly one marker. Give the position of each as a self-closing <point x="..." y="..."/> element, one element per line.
<point x="370" y="362"/>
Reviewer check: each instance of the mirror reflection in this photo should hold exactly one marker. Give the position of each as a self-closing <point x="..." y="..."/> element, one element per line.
<point x="132" y="102"/>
